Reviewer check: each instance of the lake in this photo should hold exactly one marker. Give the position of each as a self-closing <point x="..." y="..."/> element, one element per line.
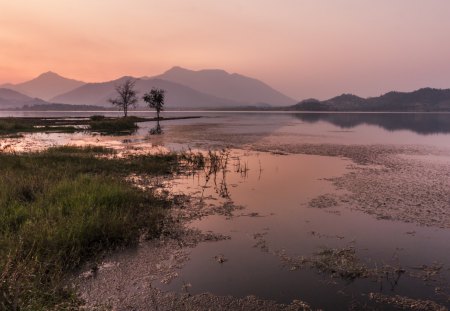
<point x="339" y="210"/>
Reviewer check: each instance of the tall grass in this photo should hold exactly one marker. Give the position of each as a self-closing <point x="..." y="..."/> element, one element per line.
<point x="95" y="123"/>
<point x="111" y="126"/>
<point x="11" y="125"/>
<point x="64" y="206"/>
<point x="22" y="125"/>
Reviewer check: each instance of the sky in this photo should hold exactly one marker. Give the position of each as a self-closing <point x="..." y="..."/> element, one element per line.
<point x="304" y="48"/>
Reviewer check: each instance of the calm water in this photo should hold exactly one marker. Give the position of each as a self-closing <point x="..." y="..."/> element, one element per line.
<point x="275" y="192"/>
<point x="290" y="128"/>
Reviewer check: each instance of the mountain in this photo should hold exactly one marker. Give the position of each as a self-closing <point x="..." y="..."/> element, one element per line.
<point x="45" y="86"/>
<point x="234" y="87"/>
<point x="10" y="99"/>
<point x="177" y="97"/>
<point x="185" y="89"/>
<point x="422" y="100"/>
<point x="426" y="99"/>
<point x="63" y="107"/>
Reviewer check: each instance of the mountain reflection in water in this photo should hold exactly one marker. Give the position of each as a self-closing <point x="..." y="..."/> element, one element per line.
<point x="420" y="123"/>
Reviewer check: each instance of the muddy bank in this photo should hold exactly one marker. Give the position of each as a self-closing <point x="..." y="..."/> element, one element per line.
<point x="123" y="280"/>
<point x="409" y="190"/>
<point x="405" y="303"/>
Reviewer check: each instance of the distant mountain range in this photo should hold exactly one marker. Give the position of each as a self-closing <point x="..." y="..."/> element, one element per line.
<point x="45" y="86"/>
<point x="178" y="96"/>
<point x="422" y="100"/>
<point x="10" y="99"/>
<point x="233" y="87"/>
<point x="204" y="89"/>
<point x="186" y="89"/>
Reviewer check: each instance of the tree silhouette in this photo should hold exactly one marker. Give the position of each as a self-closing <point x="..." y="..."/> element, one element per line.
<point x="127" y="96"/>
<point x="155" y="100"/>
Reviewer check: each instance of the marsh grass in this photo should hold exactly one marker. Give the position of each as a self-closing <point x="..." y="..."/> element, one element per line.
<point x="96" y="123"/>
<point x="341" y="263"/>
<point x="212" y="163"/>
<point x="125" y="125"/>
<point x="62" y="207"/>
<point x="10" y="126"/>
<point x="14" y="126"/>
<point x="97" y="117"/>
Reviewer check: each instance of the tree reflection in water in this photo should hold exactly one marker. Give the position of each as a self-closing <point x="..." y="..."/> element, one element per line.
<point x="157" y="130"/>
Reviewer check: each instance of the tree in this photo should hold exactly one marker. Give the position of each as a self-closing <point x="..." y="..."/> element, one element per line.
<point x="155" y="100"/>
<point x="127" y="96"/>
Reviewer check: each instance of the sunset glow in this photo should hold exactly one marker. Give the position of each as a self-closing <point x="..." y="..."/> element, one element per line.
<point x="303" y="48"/>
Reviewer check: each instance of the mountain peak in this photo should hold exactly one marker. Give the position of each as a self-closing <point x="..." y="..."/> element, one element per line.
<point x="347" y="96"/>
<point x="181" y="70"/>
<point x="46" y="85"/>
<point x="176" y="69"/>
<point x="220" y="83"/>
<point x="49" y="74"/>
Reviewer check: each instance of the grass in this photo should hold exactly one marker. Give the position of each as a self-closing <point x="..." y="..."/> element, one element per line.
<point x="341" y="263"/>
<point x="97" y="117"/>
<point x="112" y="126"/>
<point x="10" y="126"/>
<point x="96" y="123"/>
<point x="62" y="207"/>
<point x="15" y="126"/>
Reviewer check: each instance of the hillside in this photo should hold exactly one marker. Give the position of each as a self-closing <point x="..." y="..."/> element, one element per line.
<point x="64" y="107"/>
<point x="45" y="86"/>
<point x="422" y="100"/>
<point x="234" y="87"/>
<point x="178" y="96"/>
<point x="10" y="99"/>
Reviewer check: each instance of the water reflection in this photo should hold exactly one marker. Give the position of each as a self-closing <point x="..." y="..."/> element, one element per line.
<point x="157" y="130"/>
<point x="277" y="231"/>
<point x="421" y="123"/>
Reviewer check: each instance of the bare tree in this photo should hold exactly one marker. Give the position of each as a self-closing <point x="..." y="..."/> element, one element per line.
<point x="155" y="100"/>
<point x="127" y="96"/>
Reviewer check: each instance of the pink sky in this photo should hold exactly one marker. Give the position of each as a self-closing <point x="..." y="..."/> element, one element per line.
<point x="305" y="48"/>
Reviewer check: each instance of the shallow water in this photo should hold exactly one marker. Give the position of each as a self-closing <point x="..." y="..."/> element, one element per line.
<point x="275" y="191"/>
<point x="244" y="129"/>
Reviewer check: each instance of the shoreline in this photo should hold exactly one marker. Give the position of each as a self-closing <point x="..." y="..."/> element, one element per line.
<point x="171" y="255"/>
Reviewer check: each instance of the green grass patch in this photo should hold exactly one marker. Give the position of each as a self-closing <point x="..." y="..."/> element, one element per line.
<point x="15" y="126"/>
<point x="11" y="125"/>
<point x="62" y="207"/>
<point x="114" y="126"/>
<point x="97" y="117"/>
